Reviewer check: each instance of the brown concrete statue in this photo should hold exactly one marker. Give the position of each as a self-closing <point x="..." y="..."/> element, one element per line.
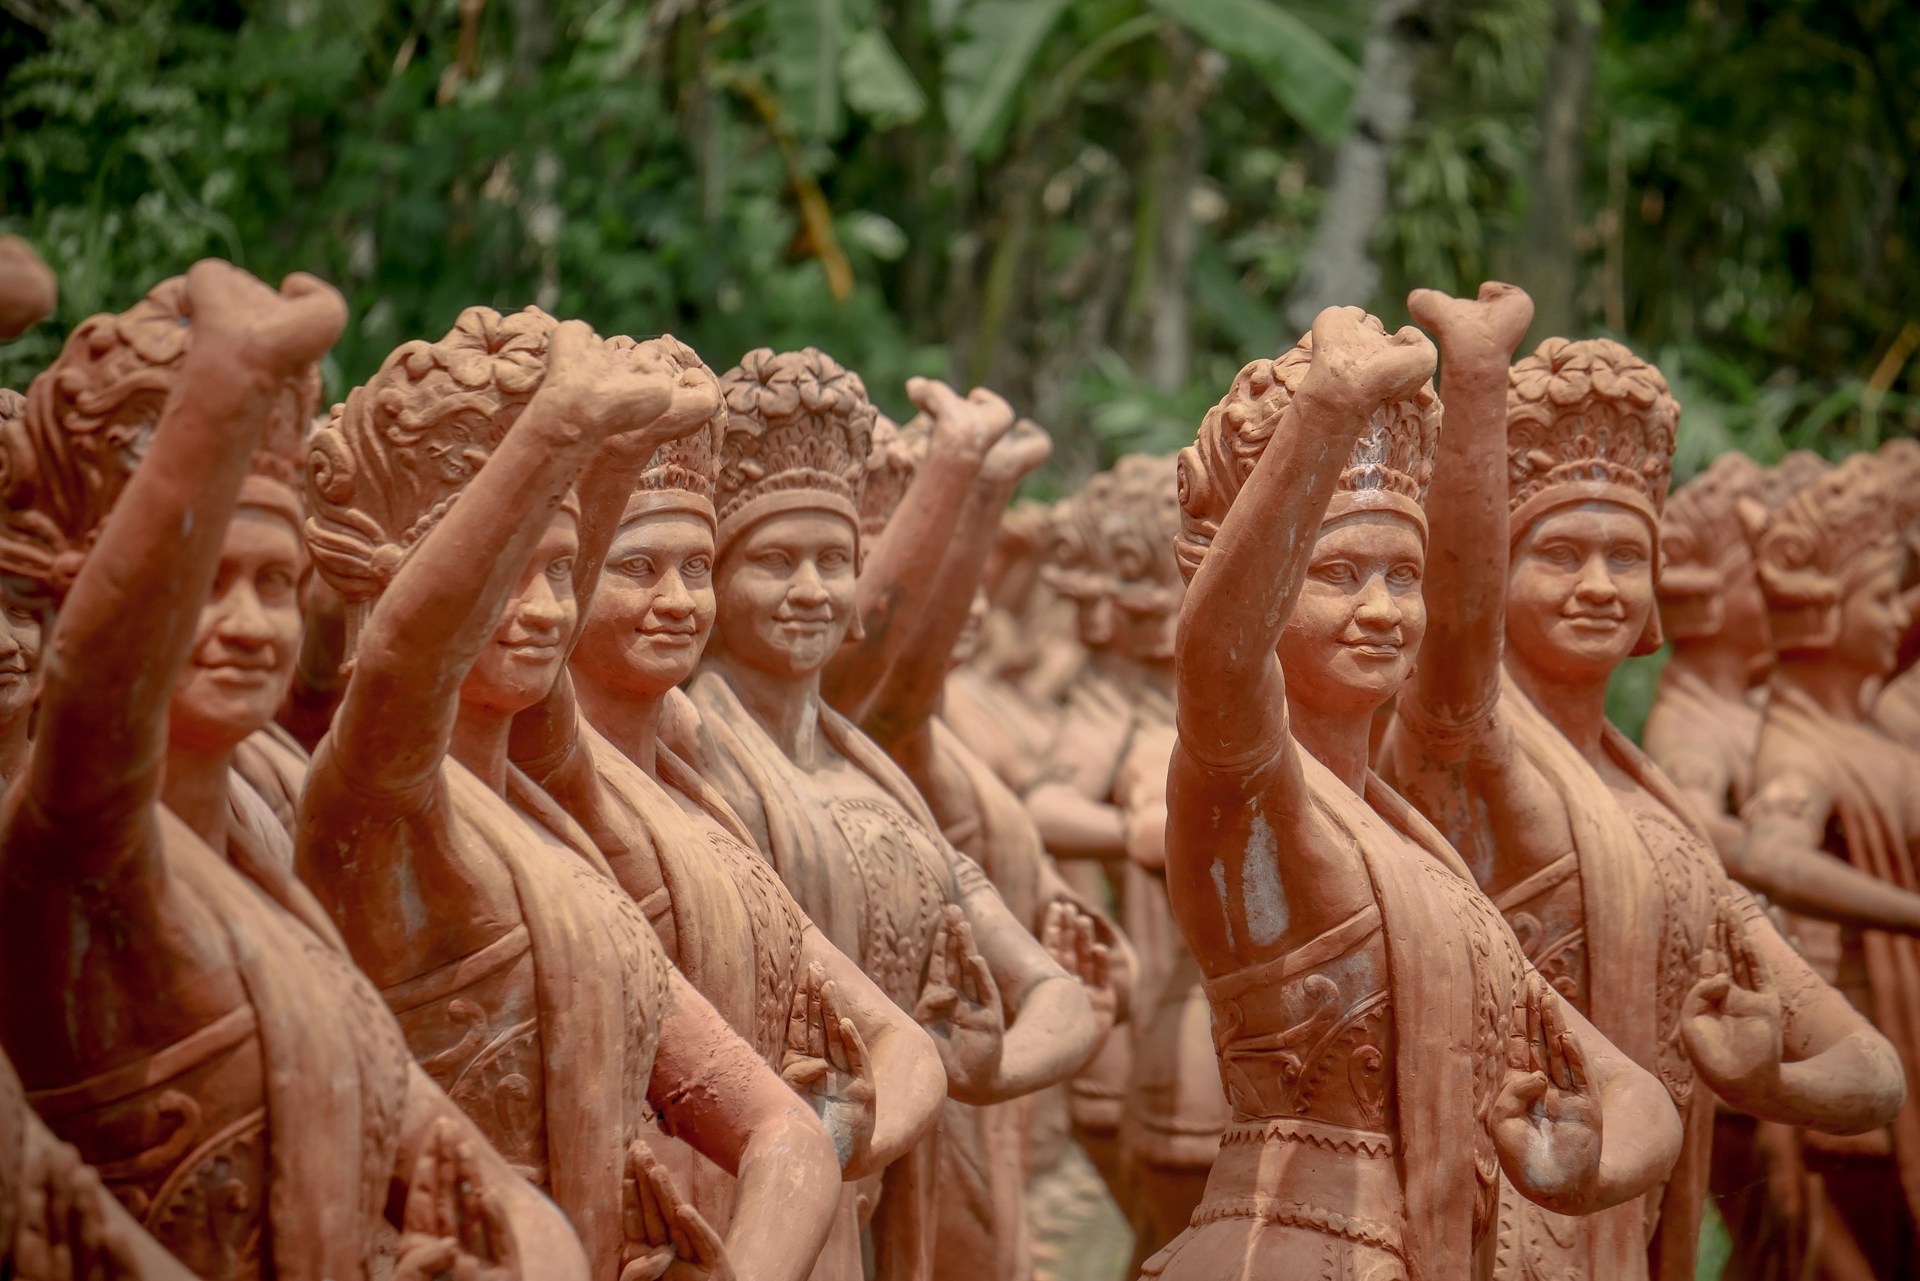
<point x="645" y="580"/>
<point x="1825" y="778"/>
<point x="179" y="1007"/>
<point x="1110" y="557"/>
<point x="1386" y="1048"/>
<point x="1593" y="855"/>
<point x="526" y="980"/>
<point x="57" y="1220"/>
<point x="1704" y="726"/>
<point x="849" y="834"/>
<point x="1001" y="697"/>
<point x="933" y="497"/>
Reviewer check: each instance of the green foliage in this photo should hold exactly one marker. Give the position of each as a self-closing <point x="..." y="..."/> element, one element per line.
<point x="993" y="189"/>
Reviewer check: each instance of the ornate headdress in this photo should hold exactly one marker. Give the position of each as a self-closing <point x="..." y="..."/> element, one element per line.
<point x="1789" y="476"/>
<point x="799" y="430"/>
<point x="1817" y="545"/>
<point x="682" y="473"/>
<point x="1387" y="471"/>
<point x="1704" y="540"/>
<point x="403" y="447"/>
<point x="1587" y="422"/>
<point x="67" y="455"/>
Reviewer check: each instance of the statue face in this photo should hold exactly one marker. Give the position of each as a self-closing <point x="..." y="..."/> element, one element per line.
<point x="653" y="609"/>
<point x="786" y="593"/>
<point x="249" y="637"/>
<point x="519" y="665"/>
<point x="1872" y="619"/>
<point x="1580" y="590"/>
<point x="23" y="620"/>
<point x="1358" y="623"/>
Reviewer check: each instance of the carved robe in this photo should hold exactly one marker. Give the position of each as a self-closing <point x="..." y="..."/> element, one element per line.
<point x="729" y="925"/>
<point x="873" y="874"/>
<point x="263" y="1144"/>
<point x="1874" y="786"/>
<point x="546" y="1035"/>
<point x="1649" y="881"/>
<point x="1361" y="1091"/>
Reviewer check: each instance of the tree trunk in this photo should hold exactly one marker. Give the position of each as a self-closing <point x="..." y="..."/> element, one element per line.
<point x="1340" y="268"/>
<point x="1548" y="263"/>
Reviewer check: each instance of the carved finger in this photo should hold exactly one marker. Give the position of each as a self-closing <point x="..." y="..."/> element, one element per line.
<point x="502" y="1247"/>
<point x="1052" y="930"/>
<point x="473" y="1213"/>
<point x="418" y="1215"/>
<point x="981" y="989"/>
<point x="446" y="1181"/>
<point x="797" y="1021"/>
<point x="1574" y="1056"/>
<point x="1519" y="1058"/>
<point x="1102" y="967"/>
<point x="854" y="1048"/>
<point x="937" y="975"/>
<point x="1536" y="1035"/>
<point x="633" y="1222"/>
<point x="816" y="1023"/>
<point x="1555" y="1029"/>
<point x="834" y="1048"/>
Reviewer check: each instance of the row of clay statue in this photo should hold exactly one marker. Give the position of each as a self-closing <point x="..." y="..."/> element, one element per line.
<point x="671" y="890"/>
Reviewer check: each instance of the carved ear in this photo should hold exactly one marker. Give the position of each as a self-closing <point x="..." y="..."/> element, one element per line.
<point x="1651" y="637"/>
<point x="1752" y="514"/>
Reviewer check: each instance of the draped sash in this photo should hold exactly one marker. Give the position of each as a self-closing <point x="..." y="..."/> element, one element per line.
<point x="1874" y="827"/>
<point x="336" y="1066"/>
<point x="1624" y="904"/>
<point x="600" y="978"/>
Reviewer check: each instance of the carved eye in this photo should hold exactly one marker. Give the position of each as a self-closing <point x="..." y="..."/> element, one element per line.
<point x="560" y="568"/>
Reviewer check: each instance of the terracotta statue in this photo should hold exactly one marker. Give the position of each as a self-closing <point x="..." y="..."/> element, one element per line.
<point x="932" y="501"/>
<point x="848" y="833"/>
<point x="1110" y="558"/>
<point x="1825" y="778"/>
<point x="1000" y="697"/>
<point x="1592" y="854"/>
<point x="25" y="613"/>
<point x="1705" y="725"/>
<point x="1896" y="706"/>
<point x="1386" y="1049"/>
<point x="645" y="580"/>
<point x="178" y="1006"/>
<point x="526" y="980"/>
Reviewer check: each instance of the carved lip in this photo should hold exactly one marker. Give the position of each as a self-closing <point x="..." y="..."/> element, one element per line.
<point x="805" y="624"/>
<point x="1596" y="622"/>
<point x="236" y="673"/>
<point x="532" y="651"/>
<point x="1375" y="649"/>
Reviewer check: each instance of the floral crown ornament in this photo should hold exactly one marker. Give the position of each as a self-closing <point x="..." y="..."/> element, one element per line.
<point x="799" y="432"/>
<point x="69" y="449"/>
<point x="682" y="474"/>
<point x="396" y="455"/>
<point x="1819" y="545"/>
<point x="1703" y="541"/>
<point x="1589" y="421"/>
<point x="1387" y="471"/>
<point x="1789" y="476"/>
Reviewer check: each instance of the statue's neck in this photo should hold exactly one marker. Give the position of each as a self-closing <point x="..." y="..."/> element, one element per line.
<point x="786" y="707"/>
<point x="480" y="743"/>
<point x="629" y="719"/>
<point x="1577" y="707"/>
<point x="1834" y="688"/>
<point x="1338" y="741"/>
<point x="1722" y="668"/>
<point x="196" y="789"/>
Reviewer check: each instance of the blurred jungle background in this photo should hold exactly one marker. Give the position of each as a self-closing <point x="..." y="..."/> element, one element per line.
<point x="1100" y="207"/>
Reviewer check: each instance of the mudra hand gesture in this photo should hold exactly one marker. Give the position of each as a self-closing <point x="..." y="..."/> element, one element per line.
<point x="667" y="1240"/>
<point x="959" y="1005"/>
<point x="1069" y="935"/>
<point x="1546" y="1119"/>
<point x="63" y="1232"/>
<point x="826" y="1063"/>
<point x="1731" y="1024"/>
<point x="455" y="1226"/>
